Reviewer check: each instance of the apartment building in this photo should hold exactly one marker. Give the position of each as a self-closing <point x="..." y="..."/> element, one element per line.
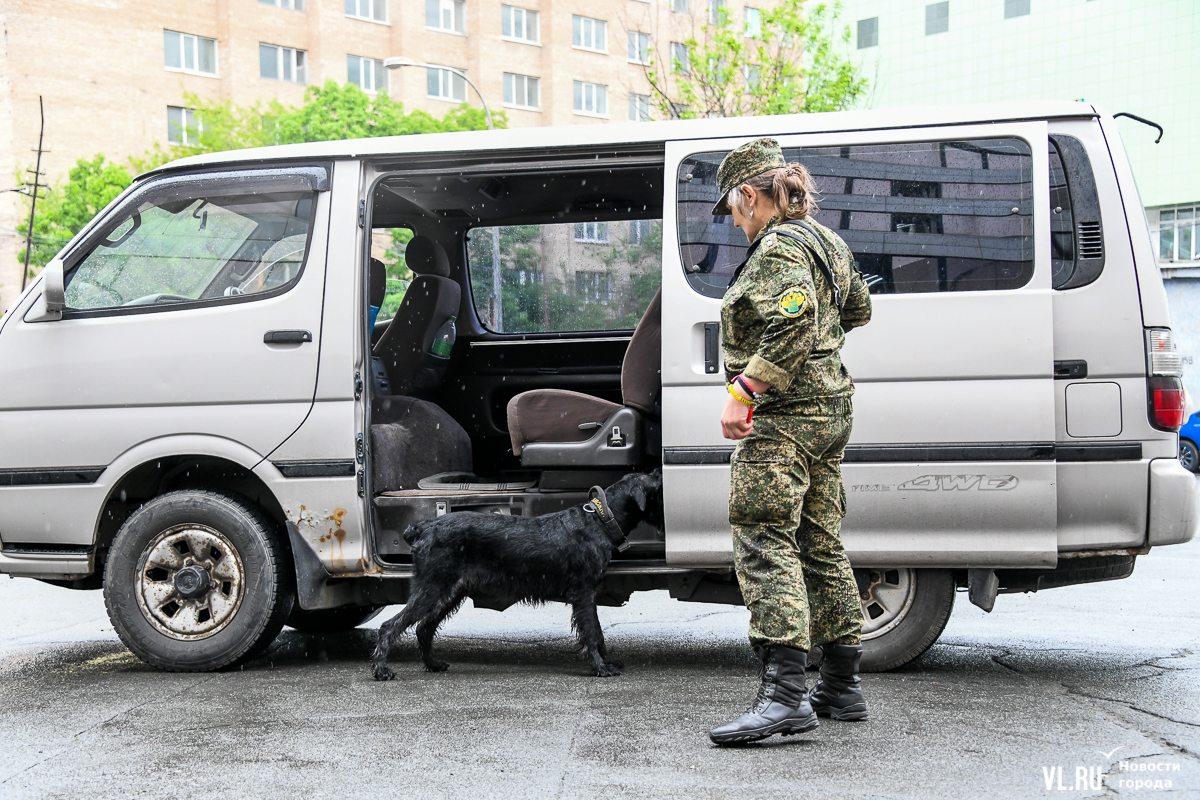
<point x="1123" y="55"/>
<point x="113" y="75"/>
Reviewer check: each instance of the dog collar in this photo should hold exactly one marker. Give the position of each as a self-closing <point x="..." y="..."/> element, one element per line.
<point x="598" y="504"/>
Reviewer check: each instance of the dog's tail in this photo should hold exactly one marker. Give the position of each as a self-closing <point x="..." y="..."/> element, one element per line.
<point x="413" y="533"/>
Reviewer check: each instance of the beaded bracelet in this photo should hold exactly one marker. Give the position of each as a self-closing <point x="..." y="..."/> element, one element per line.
<point x="738" y="397"/>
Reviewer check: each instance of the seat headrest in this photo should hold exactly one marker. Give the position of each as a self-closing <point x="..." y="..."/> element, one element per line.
<point x="377" y="281"/>
<point x="424" y="256"/>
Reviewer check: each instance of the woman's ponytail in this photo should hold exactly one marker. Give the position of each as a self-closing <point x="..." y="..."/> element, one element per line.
<point x="791" y="189"/>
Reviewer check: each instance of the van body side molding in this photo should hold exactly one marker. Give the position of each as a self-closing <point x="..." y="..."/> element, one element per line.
<point x="984" y="451"/>
<point x="316" y="469"/>
<point x="49" y="476"/>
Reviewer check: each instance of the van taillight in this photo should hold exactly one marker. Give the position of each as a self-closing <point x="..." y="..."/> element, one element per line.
<point x="1164" y="384"/>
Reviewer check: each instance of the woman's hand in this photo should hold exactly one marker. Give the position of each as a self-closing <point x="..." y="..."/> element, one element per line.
<point x="734" y="424"/>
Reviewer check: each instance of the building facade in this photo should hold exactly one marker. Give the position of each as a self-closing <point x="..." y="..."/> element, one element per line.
<point x="1137" y="56"/>
<point x="113" y="75"/>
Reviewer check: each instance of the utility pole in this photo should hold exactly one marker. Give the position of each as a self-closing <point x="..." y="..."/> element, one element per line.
<point x="37" y="174"/>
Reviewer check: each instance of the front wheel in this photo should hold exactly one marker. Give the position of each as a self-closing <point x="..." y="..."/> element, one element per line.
<point x="197" y="581"/>
<point x="904" y="612"/>
<point x="1189" y="456"/>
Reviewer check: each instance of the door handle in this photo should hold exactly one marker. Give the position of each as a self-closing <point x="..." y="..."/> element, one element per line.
<point x="287" y="337"/>
<point x="1070" y="369"/>
<point x="712" y="347"/>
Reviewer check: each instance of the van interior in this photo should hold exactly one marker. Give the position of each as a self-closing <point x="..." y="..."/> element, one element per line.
<point x="553" y="384"/>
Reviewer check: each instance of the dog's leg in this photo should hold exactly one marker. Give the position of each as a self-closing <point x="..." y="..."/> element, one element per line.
<point x="591" y="637"/>
<point x="418" y="607"/>
<point x="427" y="628"/>
<point x="601" y="647"/>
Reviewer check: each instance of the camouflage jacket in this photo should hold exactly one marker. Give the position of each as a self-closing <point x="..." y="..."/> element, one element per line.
<point x="779" y="323"/>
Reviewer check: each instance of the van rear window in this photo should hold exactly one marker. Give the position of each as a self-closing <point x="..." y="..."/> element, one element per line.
<point x="590" y="275"/>
<point x="919" y="217"/>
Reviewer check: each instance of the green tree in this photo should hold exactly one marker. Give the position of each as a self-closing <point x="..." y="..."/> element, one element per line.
<point x="789" y="65"/>
<point x="329" y="112"/>
<point x="63" y="210"/>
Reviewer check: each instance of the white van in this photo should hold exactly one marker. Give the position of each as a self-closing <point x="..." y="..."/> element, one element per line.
<point x="229" y="395"/>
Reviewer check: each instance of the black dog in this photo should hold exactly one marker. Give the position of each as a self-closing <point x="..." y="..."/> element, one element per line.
<point x="559" y="557"/>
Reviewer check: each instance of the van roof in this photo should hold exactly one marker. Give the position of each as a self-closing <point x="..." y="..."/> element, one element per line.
<point x="645" y="132"/>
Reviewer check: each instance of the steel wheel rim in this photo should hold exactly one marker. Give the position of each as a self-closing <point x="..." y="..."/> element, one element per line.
<point x="200" y="550"/>
<point x="886" y="600"/>
<point x="1187" y="456"/>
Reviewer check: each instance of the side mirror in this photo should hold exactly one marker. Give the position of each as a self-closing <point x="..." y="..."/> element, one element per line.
<point x="53" y="299"/>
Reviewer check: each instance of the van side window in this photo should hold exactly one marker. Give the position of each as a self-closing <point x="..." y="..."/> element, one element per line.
<point x="919" y="217"/>
<point x="1076" y="235"/>
<point x="175" y="247"/>
<point x="592" y="275"/>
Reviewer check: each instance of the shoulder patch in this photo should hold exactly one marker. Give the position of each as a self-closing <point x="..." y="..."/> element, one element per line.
<point x="793" y="302"/>
<point x="769" y="241"/>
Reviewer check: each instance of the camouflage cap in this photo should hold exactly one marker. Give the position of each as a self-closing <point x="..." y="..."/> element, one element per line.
<point x="752" y="158"/>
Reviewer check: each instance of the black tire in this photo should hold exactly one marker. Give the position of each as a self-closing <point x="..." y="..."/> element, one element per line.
<point x="331" y="620"/>
<point x="244" y="561"/>
<point x="1189" y="456"/>
<point x="916" y="626"/>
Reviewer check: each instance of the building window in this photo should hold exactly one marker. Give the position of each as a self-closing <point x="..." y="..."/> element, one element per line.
<point x="591" y="232"/>
<point x="714" y="11"/>
<point x="589" y="34"/>
<point x="679" y="6"/>
<point x="868" y="32"/>
<point x="374" y="10"/>
<point x="445" y="84"/>
<point x="1177" y="234"/>
<point x="281" y="63"/>
<point x="188" y="53"/>
<point x="753" y="75"/>
<point x="183" y="126"/>
<point x="639" y="47"/>
<point x="639" y="107"/>
<point x="293" y="5"/>
<point x="937" y="18"/>
<point x="367" y="74"/>
<point x="1016" y="8"/>
<point x="522" y="91"/>
<point x="679" y="59"/>
<point x="519" y="23"/>
<point x="639" y="230"/>
<point x="591" y="99"/>
<point x="753" y="19"/>
<point x="446" y="15"/>
<point x="592" y="284"/>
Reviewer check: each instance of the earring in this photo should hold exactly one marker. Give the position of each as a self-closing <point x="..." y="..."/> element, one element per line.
<point x="752" y="213"/>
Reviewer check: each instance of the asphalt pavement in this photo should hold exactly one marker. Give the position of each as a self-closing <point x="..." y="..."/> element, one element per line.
<point x="1076" y="688"/>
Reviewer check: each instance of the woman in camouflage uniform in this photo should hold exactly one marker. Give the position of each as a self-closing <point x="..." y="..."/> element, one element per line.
<point x="783" y="321"/>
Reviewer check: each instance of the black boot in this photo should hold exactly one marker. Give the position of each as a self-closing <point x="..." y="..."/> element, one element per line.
<point x="780" y="706"/>
<point x="838" y="692"/>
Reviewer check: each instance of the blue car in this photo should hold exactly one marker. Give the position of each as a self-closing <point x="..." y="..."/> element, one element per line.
<point x="1189" y="435"/>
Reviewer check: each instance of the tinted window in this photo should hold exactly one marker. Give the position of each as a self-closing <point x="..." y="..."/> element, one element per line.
<point x="576" y="276"/>
<point x="919" y="217"/>
<point x="178" y="249"/>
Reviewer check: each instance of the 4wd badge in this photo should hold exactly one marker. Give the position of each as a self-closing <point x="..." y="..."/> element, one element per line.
<point x="793" y="302"/>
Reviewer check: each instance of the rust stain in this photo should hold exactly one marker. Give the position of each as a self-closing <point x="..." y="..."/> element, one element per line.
<point x="337" y="516"/>
<point x="340" y="535"/>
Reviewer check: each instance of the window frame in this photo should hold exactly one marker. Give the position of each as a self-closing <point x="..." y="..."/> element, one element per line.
<point x="872" y="24"/>
<point x="284" y="4"/>
<point x="458" y="13"/>
<point x="511" y="77"/>
<point x="643" y="54"/>
<point x="685" y="63"/>
<point x="525" y="13"/>
<point x="216" y="73"/>
<point x="636" y="104"/>
<point x="578" y="21"/>
<point x="935" y="23"/>
<point x="362" y="71"/>
<point x="317" y="174"/>
<point x="187" y="113"/>
<point x="281" y="50"/>
<point x="582" y="86"/>
<point x="387" y="11"/>
<point x="453" y="72"/>
<point x="746" y="26"/>
<point x="1017" y="8"/>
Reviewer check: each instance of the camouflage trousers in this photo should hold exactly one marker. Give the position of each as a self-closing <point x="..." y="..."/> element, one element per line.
<point x="786" y="506"/>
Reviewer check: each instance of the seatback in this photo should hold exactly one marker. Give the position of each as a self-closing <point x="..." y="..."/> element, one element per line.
<point x="429" y="301"/>
<point x="641" y="378"/>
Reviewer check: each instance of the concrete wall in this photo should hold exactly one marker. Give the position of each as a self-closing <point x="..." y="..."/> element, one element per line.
<point x="1183" y="295"/>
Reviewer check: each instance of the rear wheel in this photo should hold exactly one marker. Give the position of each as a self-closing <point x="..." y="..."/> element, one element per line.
<point x="904" y="612"/>
<point x="1189" y="456"/>
<point x="197" y="581"/>
<point x="331" y="620"/>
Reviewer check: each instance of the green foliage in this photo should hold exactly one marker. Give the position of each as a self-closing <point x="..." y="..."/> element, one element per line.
<point x="329" y="112"/>
<point x="63" y="210"/>
<point x="399" y="276"/>
<point x="791" y="66"/>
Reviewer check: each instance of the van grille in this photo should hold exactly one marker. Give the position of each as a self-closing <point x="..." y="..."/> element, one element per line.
<point x="1091" y="241"/>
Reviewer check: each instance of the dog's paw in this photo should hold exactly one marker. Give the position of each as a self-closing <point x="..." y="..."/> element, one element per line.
<point x="433" y="665"/>
<point x="383" y="673"/>
<point x="609" y="670"/>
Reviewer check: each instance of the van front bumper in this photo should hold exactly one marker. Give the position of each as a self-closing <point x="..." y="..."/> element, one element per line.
<point x="47" y="565"/>
<point x="1173" y="503"/>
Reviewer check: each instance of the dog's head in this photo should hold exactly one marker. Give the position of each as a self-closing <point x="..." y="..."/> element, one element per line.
<point x="639" y="496"/>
